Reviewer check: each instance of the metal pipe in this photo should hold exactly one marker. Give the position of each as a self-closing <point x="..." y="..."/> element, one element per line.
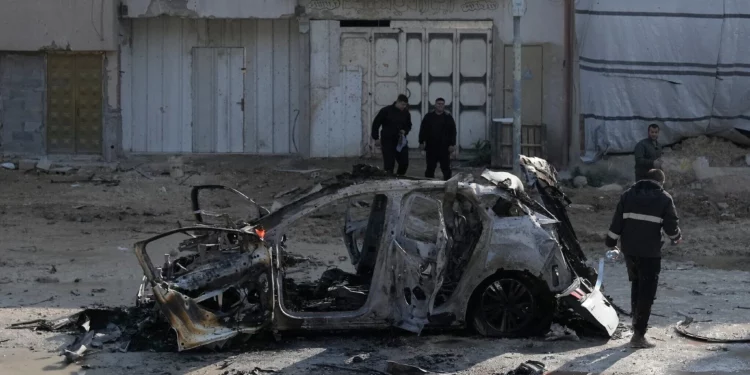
<point x="517" y="93"/>
<point x="569" y="57"/>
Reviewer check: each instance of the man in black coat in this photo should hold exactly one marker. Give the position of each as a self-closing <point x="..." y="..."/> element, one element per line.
<point x="395" y="120"/>
<point x="644" y="210"/>
<point x="437" y="136"/>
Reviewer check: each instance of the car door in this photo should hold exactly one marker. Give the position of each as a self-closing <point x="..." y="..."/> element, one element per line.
<point x="418" y="256"/>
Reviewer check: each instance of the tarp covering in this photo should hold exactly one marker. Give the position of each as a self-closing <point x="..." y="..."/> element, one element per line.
<point x="683" y="64"/>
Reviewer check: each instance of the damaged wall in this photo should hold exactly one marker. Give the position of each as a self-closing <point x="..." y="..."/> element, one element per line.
<point x="210" y="8"/>
<point x="22" y="101"/>
<point x="80" y="25"/>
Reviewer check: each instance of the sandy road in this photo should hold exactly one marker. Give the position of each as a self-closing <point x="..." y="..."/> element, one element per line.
<point x="79" y="230"/>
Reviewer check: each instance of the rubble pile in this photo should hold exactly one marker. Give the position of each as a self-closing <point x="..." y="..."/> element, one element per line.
<point x="719" y="152"/>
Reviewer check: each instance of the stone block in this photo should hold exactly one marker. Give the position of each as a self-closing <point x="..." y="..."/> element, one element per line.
<point x="26" y="164"/>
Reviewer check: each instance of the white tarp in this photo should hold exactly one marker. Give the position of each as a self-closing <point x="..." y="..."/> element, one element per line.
<point x="683" y="64"/>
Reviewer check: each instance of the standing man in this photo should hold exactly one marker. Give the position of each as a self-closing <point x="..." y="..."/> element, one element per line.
<point x="437" y="136"/>
<point x="643" y="211"/>
<point x="396" y="122"/>
<point x="647" y="153"/>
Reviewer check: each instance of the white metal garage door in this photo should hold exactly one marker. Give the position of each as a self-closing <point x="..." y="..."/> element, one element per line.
<point x="425" y="61"/>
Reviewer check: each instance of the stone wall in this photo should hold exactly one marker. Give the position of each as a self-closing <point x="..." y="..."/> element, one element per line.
<point x="22" y="101"/>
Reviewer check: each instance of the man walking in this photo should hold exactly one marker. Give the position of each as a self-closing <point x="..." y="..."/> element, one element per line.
<point x="395" y="120"/>
<point x="437" y="136"/>
<point x="648" y="153"/>
<point x="643" y="211"/>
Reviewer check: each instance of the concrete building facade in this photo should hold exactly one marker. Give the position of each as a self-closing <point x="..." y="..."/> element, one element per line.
<point x="281" y="77"/>
<point x="59" y="77"/>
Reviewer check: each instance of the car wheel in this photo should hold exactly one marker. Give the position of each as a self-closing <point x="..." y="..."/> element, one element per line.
<point x="512" y="305"/>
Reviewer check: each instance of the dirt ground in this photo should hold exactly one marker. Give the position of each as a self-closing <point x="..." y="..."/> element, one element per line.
<point x="67" y="245"/>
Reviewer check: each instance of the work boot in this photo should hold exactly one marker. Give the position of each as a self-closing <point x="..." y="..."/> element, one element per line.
<point x="639" y="342"/>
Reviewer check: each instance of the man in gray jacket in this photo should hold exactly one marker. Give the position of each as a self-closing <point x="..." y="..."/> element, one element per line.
<point x="644" y="210"/>
<point x="648" y="153"/>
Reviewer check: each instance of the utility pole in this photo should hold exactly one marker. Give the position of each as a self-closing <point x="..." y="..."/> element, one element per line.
<point x="519" y="8"/>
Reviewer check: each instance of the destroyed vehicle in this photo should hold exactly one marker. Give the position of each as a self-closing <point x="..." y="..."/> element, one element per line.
<point x="426" y="254"/>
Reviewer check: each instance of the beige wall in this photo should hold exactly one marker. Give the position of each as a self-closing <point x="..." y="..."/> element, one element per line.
<point x="211" y="8"/>
<point x="543" y="24"/>
<point x="78" y="25"/>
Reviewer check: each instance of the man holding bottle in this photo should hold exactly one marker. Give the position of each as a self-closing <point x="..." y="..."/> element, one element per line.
<point x="644" y="210"/>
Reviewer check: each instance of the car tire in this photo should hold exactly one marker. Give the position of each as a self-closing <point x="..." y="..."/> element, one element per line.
<point x="512" y="305"/>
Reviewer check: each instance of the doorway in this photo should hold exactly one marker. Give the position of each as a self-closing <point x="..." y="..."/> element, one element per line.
<point x="74" y="103"/>
<point x="218" y="100"/>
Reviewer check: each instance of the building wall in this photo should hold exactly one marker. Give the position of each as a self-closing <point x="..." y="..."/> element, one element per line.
<point x="267" y="9"/>
<point x="157" y="87"/>
<point x="22" y="101"/>
<point x="543" y="24"/>
<point x="79" y="25"/>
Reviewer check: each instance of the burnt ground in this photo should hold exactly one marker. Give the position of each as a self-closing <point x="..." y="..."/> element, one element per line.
<point x="67" y="245"/>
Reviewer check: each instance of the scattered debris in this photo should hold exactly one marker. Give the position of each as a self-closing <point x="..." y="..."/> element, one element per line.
<point x="364" y="370"/>
<point x="285" y="192"/>
<point x="44" y="164"/>
<point x="47" y="280"/>
<point x="123" y="248"/>
<point x="75" y="351"/>
<point x="581" y="207"/>
<point x="37" y="303"/>
<point x="529" y="368"/>
<point x="359" y="358"/>
<point x="189" y="174"/>
<point x="682" y="328"/>
<point x="143" y="174"/>
<point x="53" y="269"/>
<point x="723" y="206"/>
<point x="10" y="166"/>
<point x="62" y="170"/>
<point x="558" y="332"/>
<point x="580" y="181"/>
<point x="82" y="179"/>
<point x="4" y="340"/>
<point x="395" y="368"/>
<point x="98" y="290"/>
<point x="26" y="164"/>
<point x="696" y="293"/>
<point x="302" y="171"/>
<point x="175" y="167"/>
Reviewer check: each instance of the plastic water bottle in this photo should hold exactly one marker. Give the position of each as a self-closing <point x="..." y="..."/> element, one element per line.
<point x="613" y="255"/>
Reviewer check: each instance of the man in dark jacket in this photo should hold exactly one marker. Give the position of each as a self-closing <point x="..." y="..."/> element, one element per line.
<point x="395" y="120"/>
<point x="647" y="153"/>
<point x="437" y="136"/>
<point x="644" y="210"/>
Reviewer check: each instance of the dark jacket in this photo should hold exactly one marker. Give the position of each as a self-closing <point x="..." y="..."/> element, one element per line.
<point x="393" y="120"/>
<point x="646" y="152"/>
<point x="643" y="211"/>
<point x="437" y="131"/>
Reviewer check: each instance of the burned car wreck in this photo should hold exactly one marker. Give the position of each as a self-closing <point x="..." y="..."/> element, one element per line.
<point x="426" y="254"/>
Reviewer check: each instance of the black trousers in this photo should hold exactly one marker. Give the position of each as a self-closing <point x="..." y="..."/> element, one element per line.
<point x="439" y="156"/>
<point x="391" y="157"/>
<point x="644" y="278"/>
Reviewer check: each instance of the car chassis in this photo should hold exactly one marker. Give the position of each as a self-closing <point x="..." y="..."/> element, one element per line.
<point x="430" y="254"/>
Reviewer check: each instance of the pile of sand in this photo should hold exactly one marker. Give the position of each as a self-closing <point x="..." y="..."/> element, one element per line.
<point x="719" y="152"/>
